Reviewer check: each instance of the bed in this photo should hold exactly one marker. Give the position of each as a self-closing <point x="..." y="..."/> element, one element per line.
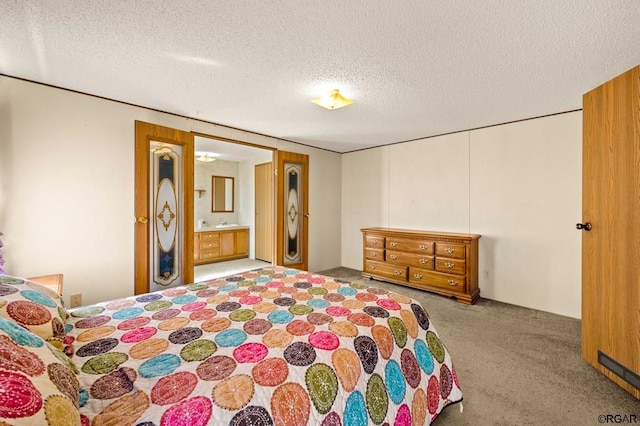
<point x="273" y="346"/>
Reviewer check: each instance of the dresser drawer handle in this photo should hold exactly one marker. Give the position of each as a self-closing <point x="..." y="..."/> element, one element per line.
<point x="394" y="244"/>
<point x="372" y="267"/>
<point x="453" y="283"/>
<point x="423" y="247"/>
<point x="374" y="243"/>
<point x="397" y="272"/>
<point x="417" y="276"/>
<point x="393" y="256"/>
<point x="449" y="265"/>
<point x="449" y="250"/>
<point x="424" y="261"/>
<point x="374" y="254"/>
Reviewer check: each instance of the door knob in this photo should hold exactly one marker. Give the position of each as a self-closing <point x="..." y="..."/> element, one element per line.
<point x="140" y="219"/>
<point x="586" y="226"/>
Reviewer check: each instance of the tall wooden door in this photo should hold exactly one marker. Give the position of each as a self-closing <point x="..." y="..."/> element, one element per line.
<point x="264" y="242"/>
<point x="163" y="207"/>
<point x="611" y="241"/>
<point x="292" y="209"/>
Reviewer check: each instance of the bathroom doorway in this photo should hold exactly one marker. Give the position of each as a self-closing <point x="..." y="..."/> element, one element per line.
<point x="225" y="207"/>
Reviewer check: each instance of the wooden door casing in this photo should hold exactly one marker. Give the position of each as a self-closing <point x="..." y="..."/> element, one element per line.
<point x="611" y="203"/>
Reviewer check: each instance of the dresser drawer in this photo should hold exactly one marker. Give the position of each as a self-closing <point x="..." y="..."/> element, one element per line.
<point x="412" y="259"/>
<point x="389" y="270"/>
<point x="417" y="246"/>
<point x="375" y="242"/>
<point x="209" y="236"/>
<point x="450" y="266"/>
<point x="374" y="254"/>
<point x="449" y="282"/>
<point x="456" y="251"/>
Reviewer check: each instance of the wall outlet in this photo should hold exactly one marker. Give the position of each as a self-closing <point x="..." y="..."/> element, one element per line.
<point x="75" y="300"/>
<point x="487" y="275"/>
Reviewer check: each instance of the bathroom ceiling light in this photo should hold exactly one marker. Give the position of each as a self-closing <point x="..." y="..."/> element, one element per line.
<point x="206" y="157"/>
<point x="332" y="100"/>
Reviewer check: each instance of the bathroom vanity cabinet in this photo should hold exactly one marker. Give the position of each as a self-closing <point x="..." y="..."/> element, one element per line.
<point x="216" y="245"/>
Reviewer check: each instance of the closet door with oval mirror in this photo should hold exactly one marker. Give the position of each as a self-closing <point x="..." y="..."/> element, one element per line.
<point x="221" y="194"/>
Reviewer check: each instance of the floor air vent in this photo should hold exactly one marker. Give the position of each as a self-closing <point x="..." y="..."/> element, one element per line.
<point x="620" y="370"/>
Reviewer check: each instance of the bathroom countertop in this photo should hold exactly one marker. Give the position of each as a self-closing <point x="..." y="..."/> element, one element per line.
<point x="226" y="228"/>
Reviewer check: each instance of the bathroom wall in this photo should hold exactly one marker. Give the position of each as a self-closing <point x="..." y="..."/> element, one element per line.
<point x="202" y="201"/>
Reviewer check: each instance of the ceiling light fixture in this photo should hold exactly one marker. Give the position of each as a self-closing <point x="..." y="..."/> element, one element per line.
<point x="205" y="157"/>
<point x="333" y="100"/>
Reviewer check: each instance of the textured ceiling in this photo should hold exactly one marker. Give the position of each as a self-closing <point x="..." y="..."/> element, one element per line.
<point x="415" y="68"/>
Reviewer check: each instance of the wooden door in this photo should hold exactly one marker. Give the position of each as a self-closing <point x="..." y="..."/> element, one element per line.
<point x="163" y="207"/>
<point x="611" y="249"/>
<point x="264" y="242"/>
<point x="292" y="207"/>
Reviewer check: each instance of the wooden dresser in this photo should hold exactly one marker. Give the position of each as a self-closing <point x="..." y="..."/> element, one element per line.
<point x="440" y="262"/>
<point x="218" y="245"/>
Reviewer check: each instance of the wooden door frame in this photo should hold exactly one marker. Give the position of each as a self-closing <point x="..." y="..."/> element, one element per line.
<point x="290" y="157"/>
<point x="144" y="133"/>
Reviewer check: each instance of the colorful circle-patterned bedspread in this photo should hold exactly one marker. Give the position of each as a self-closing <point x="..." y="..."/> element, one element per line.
<point x="274" y="346"/>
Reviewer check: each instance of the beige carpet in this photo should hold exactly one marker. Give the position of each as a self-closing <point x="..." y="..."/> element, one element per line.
<point x="516" y="366"/>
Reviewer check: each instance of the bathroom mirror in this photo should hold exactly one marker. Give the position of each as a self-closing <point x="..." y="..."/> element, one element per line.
<point x="221" y="194"/>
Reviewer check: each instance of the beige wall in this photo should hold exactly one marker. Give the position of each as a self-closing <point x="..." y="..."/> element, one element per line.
<point x="66" y="195"/>
<point x="66" y="187"/>
<point x="518" y="185"/>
